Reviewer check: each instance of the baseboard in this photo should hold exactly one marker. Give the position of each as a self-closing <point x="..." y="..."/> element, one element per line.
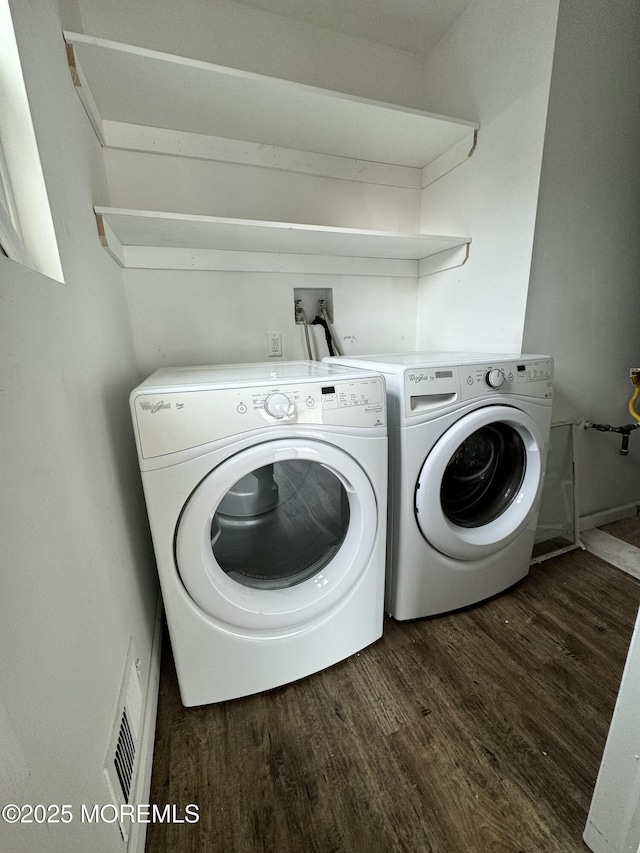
<point x="613" y="550"/>
<point x="138" y="832"/>
<point x="595" y="840"/>
<point x="607" y="516"/>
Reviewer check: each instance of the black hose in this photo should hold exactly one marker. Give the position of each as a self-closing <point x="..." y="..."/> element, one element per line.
<point x="318" y="321"/>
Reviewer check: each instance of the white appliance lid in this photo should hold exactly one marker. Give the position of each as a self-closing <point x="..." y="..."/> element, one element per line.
<point x="437" y="357"/>
<point x="243" y="374"/>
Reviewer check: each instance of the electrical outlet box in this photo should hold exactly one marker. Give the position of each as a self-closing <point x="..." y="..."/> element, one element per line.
<point x="274" y="344"/>
<point x="634" y="374"/>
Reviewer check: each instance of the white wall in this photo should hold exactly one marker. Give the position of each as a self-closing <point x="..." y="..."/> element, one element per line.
<point x="613" y="823"/>
<point x="584" y="297"/>
<point x="493" y="66"/>
<point x="78" y="578"/>
<point x="185" y="318"/>
<point x="192" y="317"/>
<point x="228" y="33"/>
<point x="188" y="317"/>
<point x="498" y="75"/>
<point x="184" y="185"/>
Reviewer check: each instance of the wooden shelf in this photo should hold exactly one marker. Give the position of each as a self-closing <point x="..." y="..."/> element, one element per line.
<point x="151" y="239"/>
<point x="144" y="100"/>
<point x="125" y="85"/>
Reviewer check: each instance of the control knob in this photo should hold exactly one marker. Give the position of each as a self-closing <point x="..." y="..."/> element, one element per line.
<point x="278" y="405"/>
<point x="494" y="378"/>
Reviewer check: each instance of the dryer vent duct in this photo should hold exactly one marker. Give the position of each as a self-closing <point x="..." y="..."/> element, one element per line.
<point x="122" y="756"/>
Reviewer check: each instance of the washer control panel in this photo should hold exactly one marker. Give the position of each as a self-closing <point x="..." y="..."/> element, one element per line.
<point x="528" y="378"/>
<point x="181" y="419"/>
<point x="435" y="387"/>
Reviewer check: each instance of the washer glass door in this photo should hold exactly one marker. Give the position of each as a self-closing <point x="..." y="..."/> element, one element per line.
<point x="480" y="483"/>
<point x="484" y="475"/>
<point x="276" y="534"/>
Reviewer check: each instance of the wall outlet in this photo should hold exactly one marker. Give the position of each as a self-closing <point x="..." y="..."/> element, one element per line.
<point x="274" y="344"/>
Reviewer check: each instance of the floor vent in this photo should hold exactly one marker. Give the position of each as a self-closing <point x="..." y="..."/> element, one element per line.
<point x="121" y="763"/>
<point x="125" y="757"/>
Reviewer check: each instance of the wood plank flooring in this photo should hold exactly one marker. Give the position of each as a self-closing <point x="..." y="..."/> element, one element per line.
<point x="476" y="731"/>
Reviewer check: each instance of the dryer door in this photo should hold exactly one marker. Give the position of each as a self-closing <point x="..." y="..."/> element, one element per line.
<point x="480" y="483"/>
<point x="276" y="535"/>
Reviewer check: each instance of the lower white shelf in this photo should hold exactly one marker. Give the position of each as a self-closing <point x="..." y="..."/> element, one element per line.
<point x="156" y="240"/>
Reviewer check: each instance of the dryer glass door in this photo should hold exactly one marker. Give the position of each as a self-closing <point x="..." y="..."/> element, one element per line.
<point x="277" y="535"/>
<point x="280" y="524"/>
<point x="481" y="482"/>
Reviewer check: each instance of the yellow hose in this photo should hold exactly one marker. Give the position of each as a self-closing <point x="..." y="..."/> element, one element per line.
<point x="632" y="402"/>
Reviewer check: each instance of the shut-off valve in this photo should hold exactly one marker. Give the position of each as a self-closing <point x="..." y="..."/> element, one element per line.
<point x="625" y="430"/>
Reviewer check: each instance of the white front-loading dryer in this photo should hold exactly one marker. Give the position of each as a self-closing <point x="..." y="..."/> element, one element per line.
<point x="266" y="490"/>
<point x="469" y="435"/>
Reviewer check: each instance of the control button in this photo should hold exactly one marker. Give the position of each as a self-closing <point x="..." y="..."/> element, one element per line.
<point x="469" y="380"/>
<point x="511" y="377"/>
<point x="494" y="378"/>
<point x="310" y="402"/>
<point x="241" y="408"/>
<point x="278" y="406"/>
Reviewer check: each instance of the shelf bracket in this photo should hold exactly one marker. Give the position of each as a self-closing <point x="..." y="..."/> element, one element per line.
<point x="84" y="93"/>
<point x="73" y="68"/>
<point x="450" y="159"/>
<point x="447" y="260"/>
<point x="109" y="241"/>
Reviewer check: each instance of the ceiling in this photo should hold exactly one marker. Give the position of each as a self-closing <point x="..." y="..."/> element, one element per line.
<point x="413" y="25"/>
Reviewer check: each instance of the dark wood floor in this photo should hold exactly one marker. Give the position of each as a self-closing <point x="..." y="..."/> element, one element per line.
<point x="477" y="731"/>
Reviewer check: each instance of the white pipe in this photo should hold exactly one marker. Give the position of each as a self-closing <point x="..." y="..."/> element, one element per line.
<point x="300" y="312"/>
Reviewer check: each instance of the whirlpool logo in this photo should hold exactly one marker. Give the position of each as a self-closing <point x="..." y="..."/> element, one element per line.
<point x="154" y="407"/>
<point x="417" y="377"/>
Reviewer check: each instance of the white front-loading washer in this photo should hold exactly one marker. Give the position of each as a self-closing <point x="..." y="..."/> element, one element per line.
<point x="468" y="441"/>
<point x="266" y="490"/>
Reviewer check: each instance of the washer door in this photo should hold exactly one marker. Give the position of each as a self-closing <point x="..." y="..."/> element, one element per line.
<point x="276" y="534"/>
<point x="480" y="483"/>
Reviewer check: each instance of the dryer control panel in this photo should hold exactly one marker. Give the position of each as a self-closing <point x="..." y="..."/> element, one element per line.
<point x="176" y="419"/>
<point x="435" y="387"/>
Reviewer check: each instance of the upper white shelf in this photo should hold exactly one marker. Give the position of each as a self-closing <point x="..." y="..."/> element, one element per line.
<point x="152" y="239"/>
<point x="134" y="85"/>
